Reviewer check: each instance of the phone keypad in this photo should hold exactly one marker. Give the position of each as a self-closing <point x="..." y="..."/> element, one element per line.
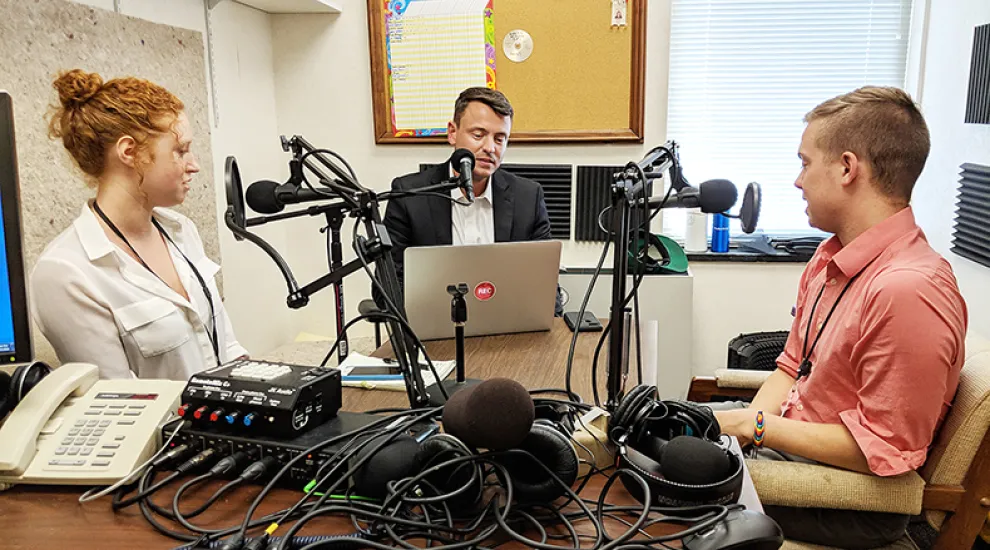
<point x="94" y="442"/>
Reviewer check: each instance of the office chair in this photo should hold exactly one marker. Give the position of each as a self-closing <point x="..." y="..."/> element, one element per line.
<point x="951" y="490"/>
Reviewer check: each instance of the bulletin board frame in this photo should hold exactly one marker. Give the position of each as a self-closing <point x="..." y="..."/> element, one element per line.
<point x="628" y="131"/>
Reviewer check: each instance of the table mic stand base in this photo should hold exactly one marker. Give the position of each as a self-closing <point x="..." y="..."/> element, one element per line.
<point x="452" y="386"/>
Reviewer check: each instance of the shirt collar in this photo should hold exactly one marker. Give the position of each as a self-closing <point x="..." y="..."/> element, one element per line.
<point x="96" y="243"/>
<point x="456" y="192"/>
<point x="852" y="258"/>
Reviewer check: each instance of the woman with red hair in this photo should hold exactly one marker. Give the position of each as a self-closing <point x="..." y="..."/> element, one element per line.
<point x="127" y="286"/>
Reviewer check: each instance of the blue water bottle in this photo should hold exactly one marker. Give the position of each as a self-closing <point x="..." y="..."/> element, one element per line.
<point x="720" y="233"/>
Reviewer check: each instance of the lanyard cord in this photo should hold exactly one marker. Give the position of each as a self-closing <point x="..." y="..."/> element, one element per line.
<point x="805" y="368"/>
<point x="214" y="343"/>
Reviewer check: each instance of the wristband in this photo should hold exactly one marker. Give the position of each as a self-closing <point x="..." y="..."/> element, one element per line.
<point x="759" y="429"/>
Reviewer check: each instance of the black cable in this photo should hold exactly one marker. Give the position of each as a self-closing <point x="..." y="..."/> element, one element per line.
<point x="119" y="502"/>
<point x="389" y="304"/>
<point x="183" y="518"/>
<point x="312" y="152"/>
<point x="349" y="324"/>
<point x="315" y="448"/>
<point x="388" y="410"/>
<point x="150" y="518"/>
<point x="577" y="324"/>
<point x="647" y="498"/>
<point x="419" y="415"/>
<point x="575" y="399"/>
<point x="392" y="195"/>
<point x="594" y="364"/>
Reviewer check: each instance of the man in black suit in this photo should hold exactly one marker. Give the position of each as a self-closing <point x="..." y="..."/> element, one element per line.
<point x="506" y="208"/>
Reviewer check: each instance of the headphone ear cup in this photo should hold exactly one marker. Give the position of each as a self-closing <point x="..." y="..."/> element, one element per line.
<point x="5" y="404"/>
<point x="552" y="448"/>
<point x="628" y="410"/>
<point x="682" y="458"/>
<point x="395" y="461"/>
<point x="441" y="448"/>
<point x="25" y="378"/>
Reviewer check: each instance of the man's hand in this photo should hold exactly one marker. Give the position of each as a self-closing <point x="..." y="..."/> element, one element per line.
<point x="739" y="423"/>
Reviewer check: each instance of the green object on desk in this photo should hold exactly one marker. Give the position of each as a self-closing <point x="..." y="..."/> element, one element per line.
<point x="309" y="488"/>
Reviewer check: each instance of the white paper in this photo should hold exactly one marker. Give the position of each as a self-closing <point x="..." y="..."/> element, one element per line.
<point x="619" y="13"/>
<point x="444" y="368"/>
<point x="436" y="49"/>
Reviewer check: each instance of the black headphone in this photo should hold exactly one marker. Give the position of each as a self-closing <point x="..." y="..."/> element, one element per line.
<point x="462" y="482"/>
<point x="675" y="446"/>
<point x="402" y="457"/>
<point x="14" y="387"/>
<point x="550" y="444"/>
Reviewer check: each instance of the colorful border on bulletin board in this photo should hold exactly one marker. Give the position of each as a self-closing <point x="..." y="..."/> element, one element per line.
<point x="394" y="9"/>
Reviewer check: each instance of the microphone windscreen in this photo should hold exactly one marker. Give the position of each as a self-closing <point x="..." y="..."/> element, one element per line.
<point x="496" y="414"/>
<point x="234" y="192"/>
<point x="717" y="196"/>
<point x="694" y="461"/>
<point x="749" y="212"/>
<point x="652" y="446"/>
<point x="459" y="155"/>
<point x="397" y="460"/>
<point x="260" y="197"/>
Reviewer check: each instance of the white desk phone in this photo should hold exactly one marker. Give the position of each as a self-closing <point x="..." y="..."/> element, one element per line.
<point x="74" y="429"/>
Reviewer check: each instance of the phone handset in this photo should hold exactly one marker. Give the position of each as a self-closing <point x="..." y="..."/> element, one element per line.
<point x="20" y="431"/>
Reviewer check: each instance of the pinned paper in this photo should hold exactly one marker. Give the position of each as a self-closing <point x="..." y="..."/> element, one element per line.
<point x="619" y="13"/>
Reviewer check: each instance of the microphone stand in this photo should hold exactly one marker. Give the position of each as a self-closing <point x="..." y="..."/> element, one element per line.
<point x="627" y="191"/>
<point x="458" y="315"/>
<point x="335" y="219"/>
<point x="350" y="198"/>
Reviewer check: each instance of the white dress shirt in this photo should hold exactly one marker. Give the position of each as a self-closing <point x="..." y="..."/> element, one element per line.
<point x="475" y="223"/>
<point x="96" y="304"/>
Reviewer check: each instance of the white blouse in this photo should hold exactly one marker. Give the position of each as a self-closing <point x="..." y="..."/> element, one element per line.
<point x="96" y="304"/>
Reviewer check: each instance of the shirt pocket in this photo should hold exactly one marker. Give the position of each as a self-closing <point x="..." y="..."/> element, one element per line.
<point x="155" y="325"/>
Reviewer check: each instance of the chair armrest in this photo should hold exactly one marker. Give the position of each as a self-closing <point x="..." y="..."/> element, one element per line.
<point x="741" y="379"/>
<point x="815" y="486"/>
<point x="731" y="383"/>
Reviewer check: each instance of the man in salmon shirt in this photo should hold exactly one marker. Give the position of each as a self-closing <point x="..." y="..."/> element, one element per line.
<point x="872" y="361"/>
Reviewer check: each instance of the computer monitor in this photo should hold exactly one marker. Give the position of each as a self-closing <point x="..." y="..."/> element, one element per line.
<point x="15" y="323"/>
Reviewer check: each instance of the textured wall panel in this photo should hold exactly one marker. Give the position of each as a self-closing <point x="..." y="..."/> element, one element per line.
<point x="42" y="37"/>
<point x="39" y="38"/>
<point x="978" y="96"/>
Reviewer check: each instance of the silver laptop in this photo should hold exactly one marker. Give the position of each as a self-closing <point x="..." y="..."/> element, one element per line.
<point x="512" y="287"/>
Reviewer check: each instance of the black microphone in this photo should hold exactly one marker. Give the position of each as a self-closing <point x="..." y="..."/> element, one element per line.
<point x="270" y="197"/>
<point x="712" y="196"/>
<point x="497" y="414"/>
<point x="694" y="461"/>
<point x="463" y="161"/>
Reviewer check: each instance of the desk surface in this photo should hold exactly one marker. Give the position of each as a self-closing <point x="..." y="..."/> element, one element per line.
<point x="50" y="517"/>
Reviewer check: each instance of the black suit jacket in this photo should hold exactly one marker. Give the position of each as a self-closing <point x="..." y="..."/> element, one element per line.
<point x="519" y="211"/>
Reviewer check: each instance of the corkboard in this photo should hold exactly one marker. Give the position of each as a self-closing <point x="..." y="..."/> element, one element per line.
<point x="584" y="81"/>
<point x="42" y="37"/>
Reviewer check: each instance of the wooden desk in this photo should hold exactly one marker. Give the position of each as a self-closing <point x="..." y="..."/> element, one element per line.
<point x="37" y="517"/>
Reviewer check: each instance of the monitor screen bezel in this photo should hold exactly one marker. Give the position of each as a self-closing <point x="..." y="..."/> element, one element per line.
<point x="10" y="195"/>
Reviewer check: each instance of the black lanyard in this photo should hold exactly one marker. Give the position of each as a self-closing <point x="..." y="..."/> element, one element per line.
<point x="214" y="342"/>
<point x="805" y="368"/>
